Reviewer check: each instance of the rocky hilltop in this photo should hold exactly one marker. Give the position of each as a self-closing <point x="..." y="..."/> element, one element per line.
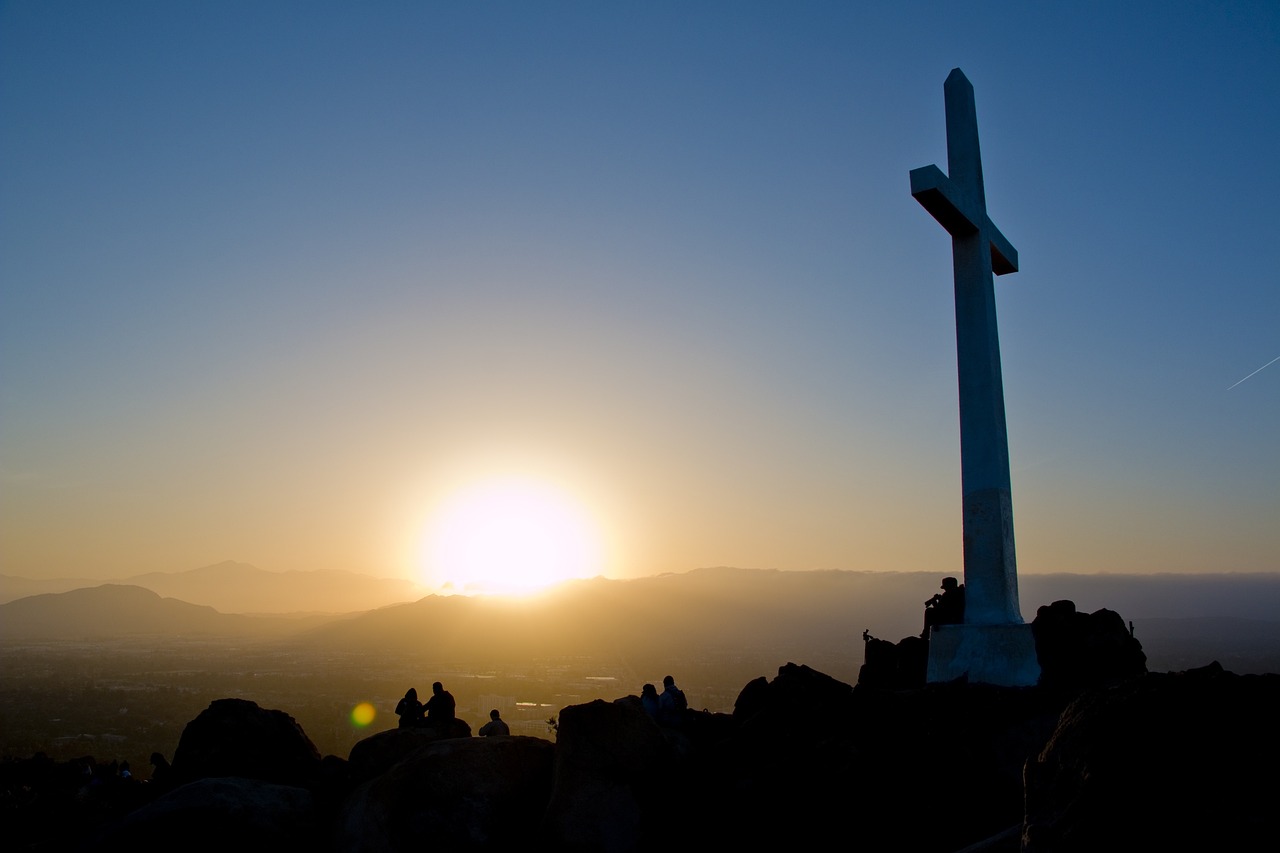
<point x="1097" y="757"/>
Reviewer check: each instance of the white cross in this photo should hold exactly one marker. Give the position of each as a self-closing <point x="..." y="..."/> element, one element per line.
<point x="978" y="249"/>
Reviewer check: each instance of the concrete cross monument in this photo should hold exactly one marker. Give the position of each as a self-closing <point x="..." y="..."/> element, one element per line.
<point x="994" y="645"/>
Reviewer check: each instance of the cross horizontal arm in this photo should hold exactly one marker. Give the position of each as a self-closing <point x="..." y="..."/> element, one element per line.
<point x="957" y="213"/>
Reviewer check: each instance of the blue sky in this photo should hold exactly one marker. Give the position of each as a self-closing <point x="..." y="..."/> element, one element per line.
<point x="277" y="278"/>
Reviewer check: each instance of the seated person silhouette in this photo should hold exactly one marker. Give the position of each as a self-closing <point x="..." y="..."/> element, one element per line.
<point x="163" y="770"/>
<point x="945" y="608"/>
<point x="671" y="703"/>
<point x="409" y="709"/>
<point x="440" y="707"/>
<point x="649" y="700"/>
<point x="495" y="726"/>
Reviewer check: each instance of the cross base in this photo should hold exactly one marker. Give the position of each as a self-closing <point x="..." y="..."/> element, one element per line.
<point x="1003" y="655"/>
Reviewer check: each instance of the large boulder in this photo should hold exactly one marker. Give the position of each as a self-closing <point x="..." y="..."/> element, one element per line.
<point x="220" y="814"/>
<point x="894" y="667"/>
<point x="376" y="754"/>
<point x="782" y="778"/>
<point x="1078" y="650"/>
<point x="609" y="793"/>
<point x="235" y="737"/>
<point x="453" y="794"/>
<point x="932" y="769"/>
<point x="1169" y="761"/>
<point x="798" y="694"/>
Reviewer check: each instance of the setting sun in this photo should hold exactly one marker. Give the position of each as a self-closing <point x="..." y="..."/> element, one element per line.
<point x="509" y="536"/>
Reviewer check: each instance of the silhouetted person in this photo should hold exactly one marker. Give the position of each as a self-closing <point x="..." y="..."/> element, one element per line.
<point x="160" y="775"/>
<point x="671" y="704"/>
<point x="946" y="607"/>
<point x="649" y="699"/>
<point x="440" y="707"/>
<point x="495" y="726"/>
<point x="409" y="709"/>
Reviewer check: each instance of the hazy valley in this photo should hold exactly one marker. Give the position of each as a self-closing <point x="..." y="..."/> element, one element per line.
<point x="117" y="670"/>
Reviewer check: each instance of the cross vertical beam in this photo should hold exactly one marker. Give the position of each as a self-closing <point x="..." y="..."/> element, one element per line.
<point x="978" y="249"/>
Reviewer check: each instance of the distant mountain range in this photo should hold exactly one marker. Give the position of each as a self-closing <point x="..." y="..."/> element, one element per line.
<point x="753" y="615"/>
<point x="112" y="611"/>
<point x="232" y="587"/>
<point x="816" y="617"/>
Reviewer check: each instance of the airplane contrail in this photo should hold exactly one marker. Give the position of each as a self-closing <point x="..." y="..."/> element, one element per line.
<point x="1259" y="370"/>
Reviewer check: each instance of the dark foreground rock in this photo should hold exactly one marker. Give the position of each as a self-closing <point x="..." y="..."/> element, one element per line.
<point x="235" y="737"/>
<point x="1168" y="761"/>
<point x="610" y="785"/>
<point x="890" y="666"/>
<point x="229" y="813"/>
<point x="378" y="753"/>
<point x="1153" y="761"/>
<point x="453" y="794"/>
<point x="1078" y="650"/>
<point x="932" y="769"/>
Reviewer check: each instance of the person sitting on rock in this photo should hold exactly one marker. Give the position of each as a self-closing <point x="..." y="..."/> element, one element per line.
<point x="495" y="726"/>
<point x="649" y="701"/>
<point x="160" y="775"/>
<point x="671" y="704"/>
<point x="440" y="707"/>
<point x="945" y="608"/>
<point x="409" y="709"/>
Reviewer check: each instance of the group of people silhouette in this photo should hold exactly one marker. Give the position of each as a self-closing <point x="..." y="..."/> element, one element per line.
<point x="439" y="712"/>
<point x="666" y="708"/>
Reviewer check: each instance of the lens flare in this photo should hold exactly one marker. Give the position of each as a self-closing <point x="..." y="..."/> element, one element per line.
<point x="363" y="714"/>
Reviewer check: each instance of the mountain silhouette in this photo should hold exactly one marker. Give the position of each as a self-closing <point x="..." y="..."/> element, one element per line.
<point x="233" y="587"/>
<point x="117" y="611"/>
<point x="751" y="616"/>
<point x="760" y="616"/>
<point x="663" y="615"/>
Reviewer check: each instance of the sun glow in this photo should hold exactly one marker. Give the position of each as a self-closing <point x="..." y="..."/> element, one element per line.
<point x="509" y="537"/>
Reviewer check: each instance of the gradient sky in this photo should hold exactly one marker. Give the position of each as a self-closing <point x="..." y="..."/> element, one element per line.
<point x="277" y="278"/>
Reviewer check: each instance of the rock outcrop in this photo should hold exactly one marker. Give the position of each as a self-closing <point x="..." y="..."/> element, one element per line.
<point x="890" y="666"/>
<point x="1075" y="650"/>
<point x="931" y="769"/>
<point x="235" y="737"/>
<point x="1078" y="650"/>
<point x="610" y="772"/>
<point x="1169" y="761"/>
<point x="228" y="813"/>
<point x="378" y="753"/>
<point x="1152" y="761"/>
<point x="452" y="794"/>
